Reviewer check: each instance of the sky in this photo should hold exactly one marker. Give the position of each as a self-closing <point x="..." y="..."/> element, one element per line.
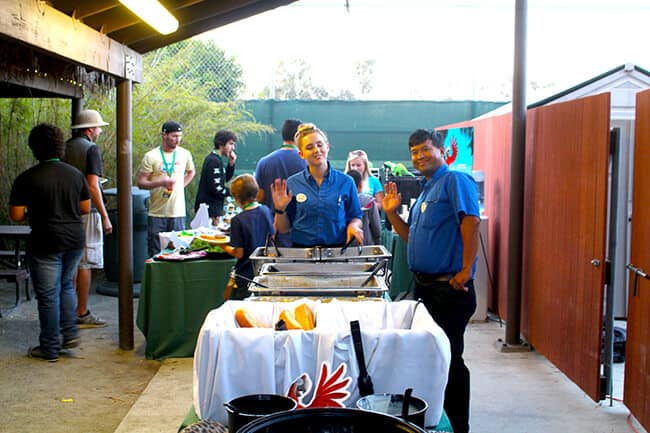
<point x="439" y="49"/>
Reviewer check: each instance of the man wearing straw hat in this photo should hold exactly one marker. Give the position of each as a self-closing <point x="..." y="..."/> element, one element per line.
<point x="82" y="152"/>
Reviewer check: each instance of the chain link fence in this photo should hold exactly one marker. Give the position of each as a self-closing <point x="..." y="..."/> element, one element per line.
<point x="193" y="82"/>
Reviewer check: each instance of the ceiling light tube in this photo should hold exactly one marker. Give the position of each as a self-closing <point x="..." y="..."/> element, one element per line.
<point x="154" y="14"/>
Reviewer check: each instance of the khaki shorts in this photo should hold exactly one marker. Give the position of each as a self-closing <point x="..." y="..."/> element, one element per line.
<point x="93" y="256"/>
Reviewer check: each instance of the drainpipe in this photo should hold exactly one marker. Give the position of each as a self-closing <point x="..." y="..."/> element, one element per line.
<point x="517" y="165"/>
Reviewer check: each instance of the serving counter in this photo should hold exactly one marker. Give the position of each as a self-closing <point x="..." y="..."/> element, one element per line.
<point x="403" y="346"/>
<point x="175" y="297"/>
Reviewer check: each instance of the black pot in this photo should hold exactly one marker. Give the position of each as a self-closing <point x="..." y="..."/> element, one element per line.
<point x="247" y="408"/>
<point x="391" y="404"/>
<point x="331" y="420"/>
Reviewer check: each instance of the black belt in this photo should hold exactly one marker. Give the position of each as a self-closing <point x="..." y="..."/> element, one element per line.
<point x="423" y="278"/>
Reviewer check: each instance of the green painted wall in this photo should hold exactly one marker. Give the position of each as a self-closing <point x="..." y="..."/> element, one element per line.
<point x="381" y="128"/>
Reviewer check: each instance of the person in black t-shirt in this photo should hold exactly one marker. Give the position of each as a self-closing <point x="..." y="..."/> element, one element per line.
<point x="82" y="152"/>
<point x="52" y="196"/>
<point x="218" y="168"/>
<point x="248" y="230"/>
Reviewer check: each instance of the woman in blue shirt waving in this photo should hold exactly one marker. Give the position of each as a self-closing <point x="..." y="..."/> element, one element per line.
<point x="319" y="205"/>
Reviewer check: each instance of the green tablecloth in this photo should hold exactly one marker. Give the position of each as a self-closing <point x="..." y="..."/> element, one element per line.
<point x="401" y="277"/>
<point x="175" y="297"/>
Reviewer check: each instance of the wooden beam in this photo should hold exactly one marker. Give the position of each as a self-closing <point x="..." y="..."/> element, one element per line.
<point x="82" y="10"/>
<point x="40" y="25"/>
<point x="39" y="85"/>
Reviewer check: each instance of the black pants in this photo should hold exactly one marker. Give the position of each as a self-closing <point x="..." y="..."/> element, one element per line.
<point x="452" y="309"/>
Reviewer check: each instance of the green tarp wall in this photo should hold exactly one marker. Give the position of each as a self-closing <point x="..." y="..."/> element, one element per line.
<point x="381" y="128"/>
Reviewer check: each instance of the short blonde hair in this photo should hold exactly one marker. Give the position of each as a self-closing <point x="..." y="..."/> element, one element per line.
<point x="364" y="157"/>
<point x="244" y="188"/>
<point x="305" y="129"/>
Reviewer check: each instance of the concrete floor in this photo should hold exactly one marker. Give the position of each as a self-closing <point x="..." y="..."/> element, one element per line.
<point x="120" y="391"/>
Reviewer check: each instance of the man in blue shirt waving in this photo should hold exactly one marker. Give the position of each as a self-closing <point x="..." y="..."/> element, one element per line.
<point x="442" y="235"/>
<point x="319" y="204"/>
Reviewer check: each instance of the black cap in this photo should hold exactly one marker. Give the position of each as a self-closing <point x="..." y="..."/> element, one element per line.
<point x="171" y="126"/>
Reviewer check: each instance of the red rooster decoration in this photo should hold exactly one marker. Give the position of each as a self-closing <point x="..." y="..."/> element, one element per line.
<point x="451" y="154"/>
<point x="332" y="390"/>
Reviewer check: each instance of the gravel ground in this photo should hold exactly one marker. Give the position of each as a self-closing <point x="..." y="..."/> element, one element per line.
<point x="89" y="390"/>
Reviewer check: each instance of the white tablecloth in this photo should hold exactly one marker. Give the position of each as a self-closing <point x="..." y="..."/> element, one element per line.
<point x="231" y="361"/>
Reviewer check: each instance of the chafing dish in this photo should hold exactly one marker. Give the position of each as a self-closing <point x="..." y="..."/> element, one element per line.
<point x="317" y="268"/>
<point x="318" y="285"/>
<point x="367" y="253"/>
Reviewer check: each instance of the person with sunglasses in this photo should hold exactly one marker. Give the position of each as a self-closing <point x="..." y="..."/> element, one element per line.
<point x="319" y="205"/>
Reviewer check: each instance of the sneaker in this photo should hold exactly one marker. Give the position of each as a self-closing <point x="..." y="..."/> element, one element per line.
<point x="71" y="343"/>
<point x="90" y="321"/>
<point x="38" y="353"/>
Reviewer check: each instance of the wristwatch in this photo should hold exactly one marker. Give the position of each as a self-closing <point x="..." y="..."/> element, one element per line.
<point x="279" y="211"/>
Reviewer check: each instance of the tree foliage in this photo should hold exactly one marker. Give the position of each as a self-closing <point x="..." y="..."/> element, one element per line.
<point x="294" y="81"/>
<point x="191" y="82"/>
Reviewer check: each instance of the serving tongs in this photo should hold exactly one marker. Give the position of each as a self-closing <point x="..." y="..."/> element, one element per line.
<point x="264" y="286"/>
<point x="347" y="244"/>
<point x="375" y="269"/>
<point x="274" y="243"/>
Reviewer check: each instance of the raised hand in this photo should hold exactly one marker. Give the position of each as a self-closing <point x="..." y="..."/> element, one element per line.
<point x="392" y="198"/>
<point x="281" y="198"/>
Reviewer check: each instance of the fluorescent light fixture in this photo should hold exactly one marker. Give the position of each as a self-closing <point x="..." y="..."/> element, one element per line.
<point x="154" y="14"/>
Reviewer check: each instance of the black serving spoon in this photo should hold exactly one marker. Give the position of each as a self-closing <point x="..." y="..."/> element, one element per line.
<point x="364" y="382"/>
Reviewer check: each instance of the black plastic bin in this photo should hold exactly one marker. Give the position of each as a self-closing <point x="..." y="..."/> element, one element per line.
<point x="140" y="225"/>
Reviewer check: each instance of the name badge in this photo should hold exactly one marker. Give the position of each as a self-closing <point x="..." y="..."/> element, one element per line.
<point x="301" y="198"/>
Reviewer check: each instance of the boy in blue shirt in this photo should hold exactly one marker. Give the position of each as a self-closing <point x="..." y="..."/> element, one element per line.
<point x="248" y="230"/>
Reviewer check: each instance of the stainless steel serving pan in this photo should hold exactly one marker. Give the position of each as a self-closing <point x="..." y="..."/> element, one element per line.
<point x="318" y="285"/>
<point x="368" y="253"/>
<point x="317" y="268"/>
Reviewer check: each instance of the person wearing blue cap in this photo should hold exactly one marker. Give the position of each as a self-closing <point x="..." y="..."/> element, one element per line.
<point x="165" y="171"/>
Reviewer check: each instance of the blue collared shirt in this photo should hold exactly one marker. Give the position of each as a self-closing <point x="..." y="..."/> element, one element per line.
<point x="320" y="215"/>
<point x="435" y="244"/>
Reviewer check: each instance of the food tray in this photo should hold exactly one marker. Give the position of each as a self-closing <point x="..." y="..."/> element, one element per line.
<point x="318" y="285"/>
<point x="178" y="257"/>
<point x="323" y="299"/>
<point x="316" y="268"/>
<point x="217" y="239"/>
<point x="367" y="253"/>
